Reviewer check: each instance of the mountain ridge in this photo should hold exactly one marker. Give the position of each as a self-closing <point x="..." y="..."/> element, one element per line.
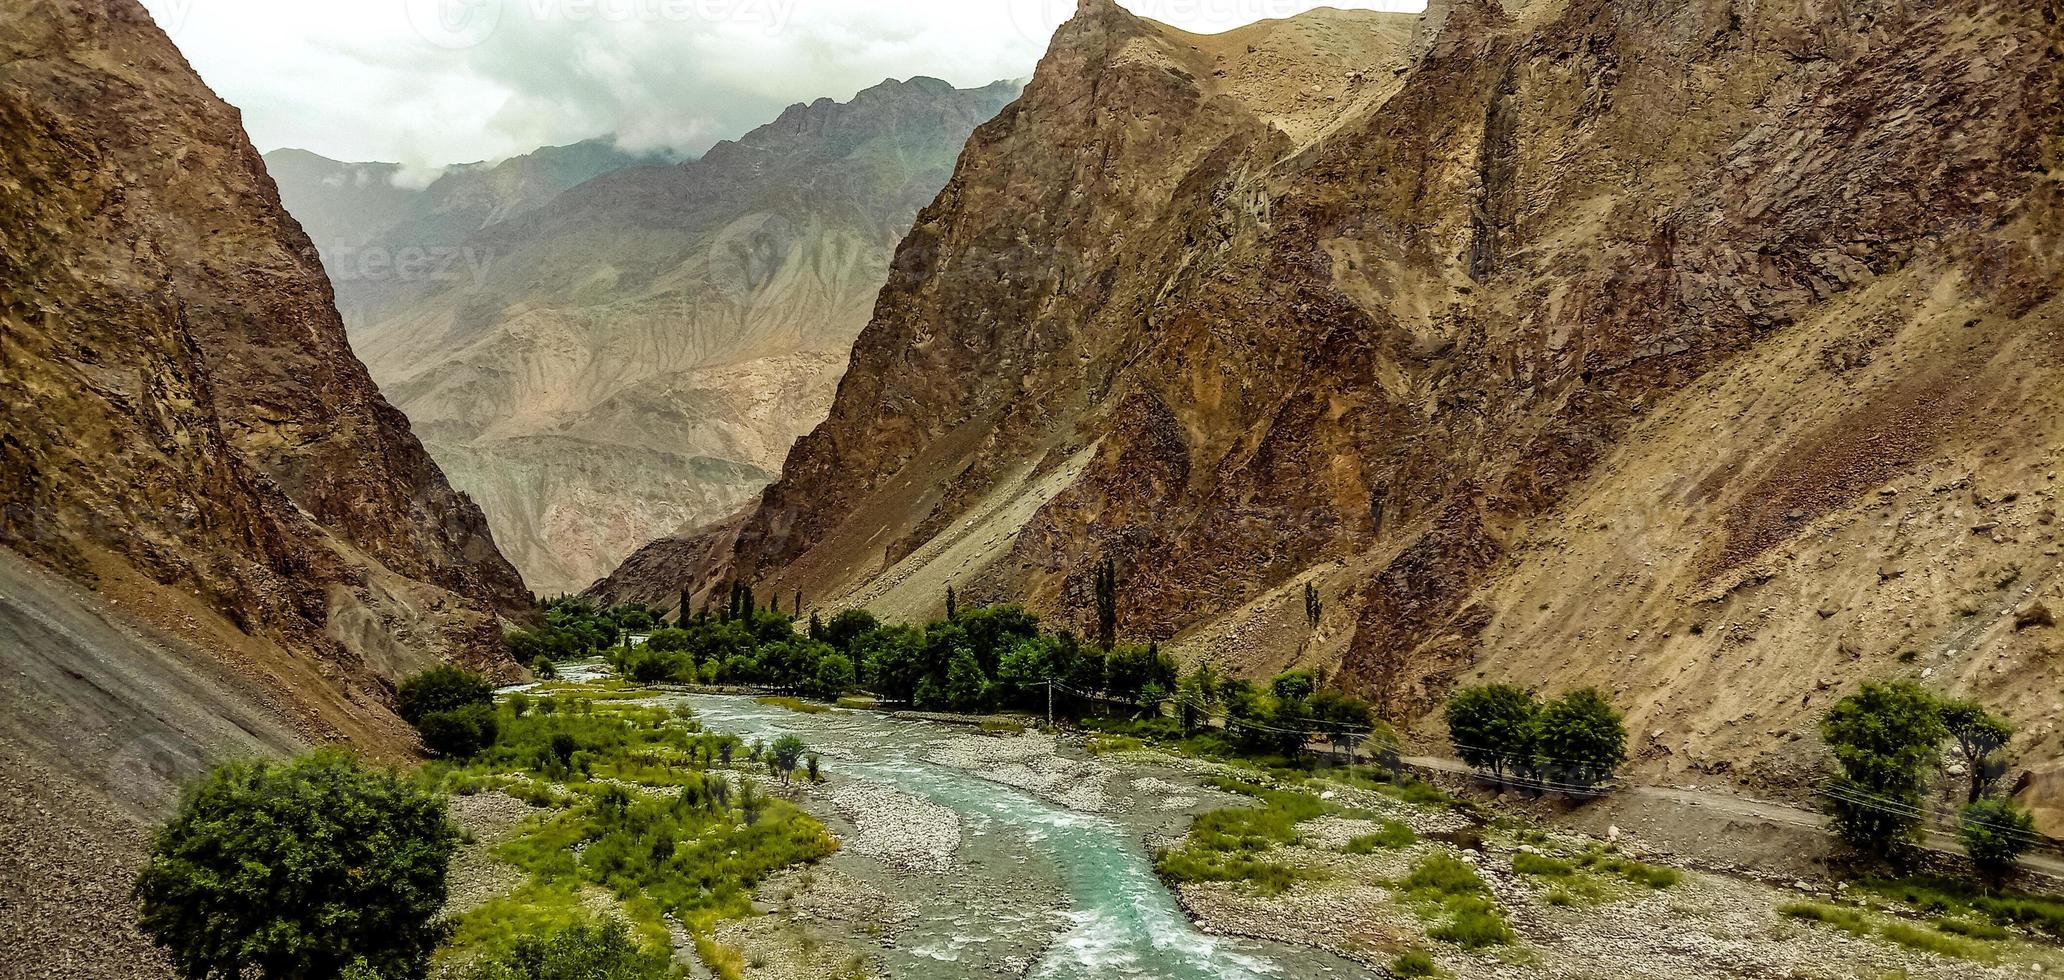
<point x="1428" y="342"/>
<point x="635" y="355"/>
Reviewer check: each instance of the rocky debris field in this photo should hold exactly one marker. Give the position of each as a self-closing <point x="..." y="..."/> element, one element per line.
<point x="1588" y="925"/>
<point x="488" y="819"/>
<point x="1032" y="762"/>
<point x="896" y="828"/>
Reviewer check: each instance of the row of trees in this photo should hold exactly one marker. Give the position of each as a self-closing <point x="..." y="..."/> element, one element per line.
<point x="1888" y="744"/>
<point x="1576" y="742"/>
<point x="989" y="658"/>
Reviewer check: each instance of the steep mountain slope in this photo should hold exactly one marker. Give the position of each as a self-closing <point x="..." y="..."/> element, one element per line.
<point x="1677" y="348"/>
<point x="185" y="435"/>
<point x="382" y="242"/>
<point x="637" y="355"/>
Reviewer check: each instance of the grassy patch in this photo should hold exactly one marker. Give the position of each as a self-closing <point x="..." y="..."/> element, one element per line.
<point x="1930" y="941"/>
<point x="1112" y="744"/>
<point x="1973" y="930"/>
<point x="1445" y="887"/>
<point x="1944" y="897"/>
<point x="641" y="803"/>
<point x="1474" y="923"/>
<point x="1605" y="860"/>
<point x="1392" y="837"/>
<point x="1541" y="865"/>
<point x="794" y="704"/>
<point x="1848" y="920"/>
<point x="1415" y="963"/>
<point x="1856" y="923"/>
<point x="1227" y="845"/>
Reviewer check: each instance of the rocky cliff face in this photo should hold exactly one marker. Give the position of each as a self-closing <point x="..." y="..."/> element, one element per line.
<point x="259" y="545"/>
<point x="636" y="355"/>
<point x="1677" y="348"/>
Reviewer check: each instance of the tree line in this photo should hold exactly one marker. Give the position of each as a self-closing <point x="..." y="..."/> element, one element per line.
<point x="1888" y="742"/>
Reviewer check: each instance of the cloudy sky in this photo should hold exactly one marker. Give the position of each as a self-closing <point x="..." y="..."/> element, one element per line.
<point x="432" y="82"/>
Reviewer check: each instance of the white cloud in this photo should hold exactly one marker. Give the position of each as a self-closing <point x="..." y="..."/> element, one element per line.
<point x="431" y="82"/>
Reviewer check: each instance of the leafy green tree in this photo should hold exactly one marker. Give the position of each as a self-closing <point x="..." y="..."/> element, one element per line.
<point x="892" y="661"/>
<point x="1885" y="739"/>
<point x="299" y="869"/>
<point x="1196" y="697"/>
<point x="1995" y="833"/>
<point x="1345" y="720"/>
<point x="1492" y="727"/>
<point x="966" y="688"/>
<point x="1580" y="739"/>
<point x="441" y="688"/>
<point x="1021" y="674"/>
<point x="1979" y="735"/>
<point x="1295" y="685"/>
<point x="581" y="952"/>
<point x="849" y="626"/>
<point x="461" y="732"/>
<point x="835" y="676"/>
<point x="452" y="708"/>
<point x="787" y="752"/>
<point x="993" y="631"/>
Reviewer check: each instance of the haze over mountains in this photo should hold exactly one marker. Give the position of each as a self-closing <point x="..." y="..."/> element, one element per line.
<point x="603" y="361"/>
<point x="1707" y="353"/>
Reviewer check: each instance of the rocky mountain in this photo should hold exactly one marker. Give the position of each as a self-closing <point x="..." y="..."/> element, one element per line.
<point x="382" y="240"/>
<point x="242" y="545"/>
<point x="1707" y="352"/>
<point x="636" y="355"/>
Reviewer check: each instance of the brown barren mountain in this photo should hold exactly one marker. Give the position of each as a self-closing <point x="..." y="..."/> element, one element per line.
<point x="1706" y="352"/>
<point x="256" y="546"/>
<point x="634" y="355"/>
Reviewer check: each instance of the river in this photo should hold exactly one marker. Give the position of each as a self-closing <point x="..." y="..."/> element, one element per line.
<point x="1034" y="888"/>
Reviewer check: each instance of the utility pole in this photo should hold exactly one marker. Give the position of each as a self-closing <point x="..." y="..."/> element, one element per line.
<point x="1049" y="704"/>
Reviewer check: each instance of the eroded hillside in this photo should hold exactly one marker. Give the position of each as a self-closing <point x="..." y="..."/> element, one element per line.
<point x="259" y="545"/>
<point x="1705" y="351"/>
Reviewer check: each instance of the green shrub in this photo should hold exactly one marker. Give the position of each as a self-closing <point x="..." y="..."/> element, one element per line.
<point x="1415" y="963"/>
<point x="1995" y="833"/>
<point x="1541" y="865"/>
<point x="1476" y="923"/>
<point x="461" y="732"/>
<point x="1942" y="896"/>
<point x="1972" y="930"/>
<point x="1393" y="836"/>
<point x="581" y="952"/>
<point x="1935" y="942"/>
<point x="298" y="869"/>
<point x="1441" y="876"/>
<point x="441" y="688"/>
<point x="1847" y="920"/>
